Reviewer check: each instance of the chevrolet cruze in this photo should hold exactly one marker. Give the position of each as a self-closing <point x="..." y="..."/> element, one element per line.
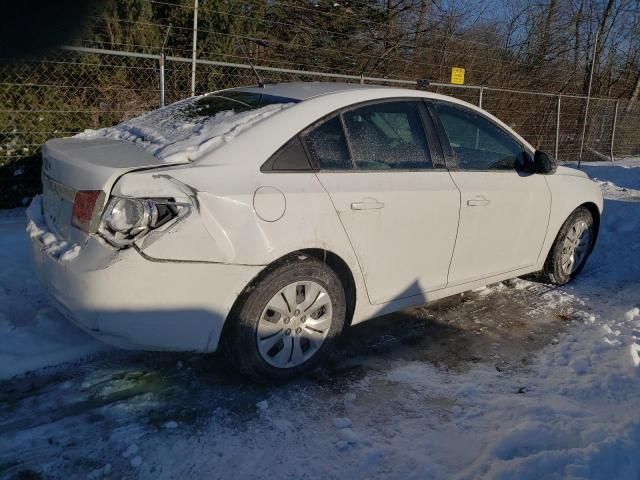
<point x="267" y="219"/>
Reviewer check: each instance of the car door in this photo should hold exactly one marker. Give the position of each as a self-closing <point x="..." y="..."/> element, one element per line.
<point x="504" y="211"/>
<point x="396" y="201"/>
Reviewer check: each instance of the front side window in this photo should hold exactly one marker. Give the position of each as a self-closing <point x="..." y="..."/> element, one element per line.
<point x="387" y="135"/>
<point x="478" y="143"/>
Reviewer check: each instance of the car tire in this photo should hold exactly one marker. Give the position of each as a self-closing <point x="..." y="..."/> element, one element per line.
<point x="269" y="313"/>
<point x="563" y="263"/>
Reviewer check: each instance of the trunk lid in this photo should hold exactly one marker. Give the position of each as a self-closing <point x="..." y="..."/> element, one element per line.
<point x="73" y="164"/>
<point x="94" y="164"/>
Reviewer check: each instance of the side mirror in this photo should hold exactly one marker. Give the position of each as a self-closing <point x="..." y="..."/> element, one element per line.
<point x="543" y="163"/>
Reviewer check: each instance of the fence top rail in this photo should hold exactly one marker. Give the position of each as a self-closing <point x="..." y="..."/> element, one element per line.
<point x="361" y="78"/>
<point x="101" y="51"/>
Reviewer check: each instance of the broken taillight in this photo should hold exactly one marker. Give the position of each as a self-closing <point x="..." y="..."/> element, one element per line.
<point x="126" y="219"/>
<point x="85" y="204"/>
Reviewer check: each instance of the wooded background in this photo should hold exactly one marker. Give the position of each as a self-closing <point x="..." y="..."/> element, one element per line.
<point x="545" y="46"/>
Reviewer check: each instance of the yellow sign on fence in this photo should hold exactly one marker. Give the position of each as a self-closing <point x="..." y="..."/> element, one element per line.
<point x="457" y="76"/>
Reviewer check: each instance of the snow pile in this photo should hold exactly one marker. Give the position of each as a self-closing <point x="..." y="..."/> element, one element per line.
<point x="619" y="180"/>
<point x="33" y="334"/>
<point x="172" y="134"/>
<point x="578" y="414"/>
<point x="52" y="245"/>
<point x="578" y="417"/>
<point x="611" y="190"/>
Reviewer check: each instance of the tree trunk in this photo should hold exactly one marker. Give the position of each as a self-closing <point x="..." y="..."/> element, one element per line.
<point x="634" y="95"/>
<point x="545" y="35"/>
<point x="576" y="45"/>
<point x="597" y="49"/>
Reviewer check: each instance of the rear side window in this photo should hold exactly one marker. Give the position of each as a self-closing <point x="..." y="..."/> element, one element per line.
<point x="328" y="146"/>
<point x="290" y="158"/>
<point x="478" y="143"/>
<point x="387" y="135"/>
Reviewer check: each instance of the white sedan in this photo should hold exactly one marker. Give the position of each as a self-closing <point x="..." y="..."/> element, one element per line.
<point x="266" y="219"/>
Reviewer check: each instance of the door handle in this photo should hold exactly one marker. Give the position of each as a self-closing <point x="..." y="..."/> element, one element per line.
<point x="368" y="204"/>
<point x="478" y="201"/>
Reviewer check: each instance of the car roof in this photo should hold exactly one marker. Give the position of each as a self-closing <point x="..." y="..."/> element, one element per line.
<point x="300" y="91"/>
<point x="324" y="97"/>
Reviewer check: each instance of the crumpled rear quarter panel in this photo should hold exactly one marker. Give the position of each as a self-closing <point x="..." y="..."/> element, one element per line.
<point x="224" y="226"/>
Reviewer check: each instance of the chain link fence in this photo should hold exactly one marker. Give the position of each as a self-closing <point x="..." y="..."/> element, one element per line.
<point x="75" y="89"/>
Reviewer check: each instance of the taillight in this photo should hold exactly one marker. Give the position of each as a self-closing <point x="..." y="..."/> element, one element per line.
<point x="126" y="219"/>
<point x="86" y="202"/>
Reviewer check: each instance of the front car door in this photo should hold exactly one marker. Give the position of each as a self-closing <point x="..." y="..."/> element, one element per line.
<point x="396" y="201"/>
<point x="504" y="212"/>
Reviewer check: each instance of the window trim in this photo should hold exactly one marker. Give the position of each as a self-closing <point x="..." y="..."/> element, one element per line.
<point x="450" y="158"/>
<point x="347" y="141"/>
<point x="435" y="149"/>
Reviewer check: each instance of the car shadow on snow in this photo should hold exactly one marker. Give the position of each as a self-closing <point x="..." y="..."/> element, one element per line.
<point x="501" y="327"/>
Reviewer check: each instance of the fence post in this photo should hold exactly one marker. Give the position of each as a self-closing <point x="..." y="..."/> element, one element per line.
<point x="162" y="60"/>
<point x="193" y="50"/>
<point x="558" y="126"/>
<point x="584" y="128"/>
<point x="613" y="130"/>
<point x="162" y="79"/>
<point x="480" y="97"/>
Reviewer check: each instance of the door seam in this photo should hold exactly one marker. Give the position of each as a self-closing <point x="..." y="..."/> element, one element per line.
<point x="455" y="242"/>
<point x="355" y="254"/>
<point x="546" y="233"/>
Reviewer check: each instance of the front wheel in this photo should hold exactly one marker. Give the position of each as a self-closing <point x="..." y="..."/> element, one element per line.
<point x="571" y="248"/>
<point x="288" y="321"/>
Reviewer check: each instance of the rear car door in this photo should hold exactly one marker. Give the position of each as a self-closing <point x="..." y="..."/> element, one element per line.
<point x="396" y="201"/>
<point x="504" y="211"/>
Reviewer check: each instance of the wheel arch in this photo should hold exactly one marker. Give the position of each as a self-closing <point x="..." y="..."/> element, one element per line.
<point x="595" y="213"/>
<point x="341" y="268"/>
<point x="331" y="259"/>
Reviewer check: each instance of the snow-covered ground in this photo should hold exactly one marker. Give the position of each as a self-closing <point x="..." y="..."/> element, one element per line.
<point x="515" y="381"/>
<point x="32" y="333"/>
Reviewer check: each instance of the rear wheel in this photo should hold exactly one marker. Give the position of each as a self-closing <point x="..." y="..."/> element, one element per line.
<point x="288" y="321"/>
<point x="571" y="248"/>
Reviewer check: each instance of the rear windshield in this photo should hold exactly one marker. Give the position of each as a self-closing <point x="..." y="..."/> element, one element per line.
<point x="214" y="103"/>
<point x="191" y="128"/>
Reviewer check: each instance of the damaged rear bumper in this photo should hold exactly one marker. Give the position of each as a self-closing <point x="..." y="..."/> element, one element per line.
<point x="128" y="301"/>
